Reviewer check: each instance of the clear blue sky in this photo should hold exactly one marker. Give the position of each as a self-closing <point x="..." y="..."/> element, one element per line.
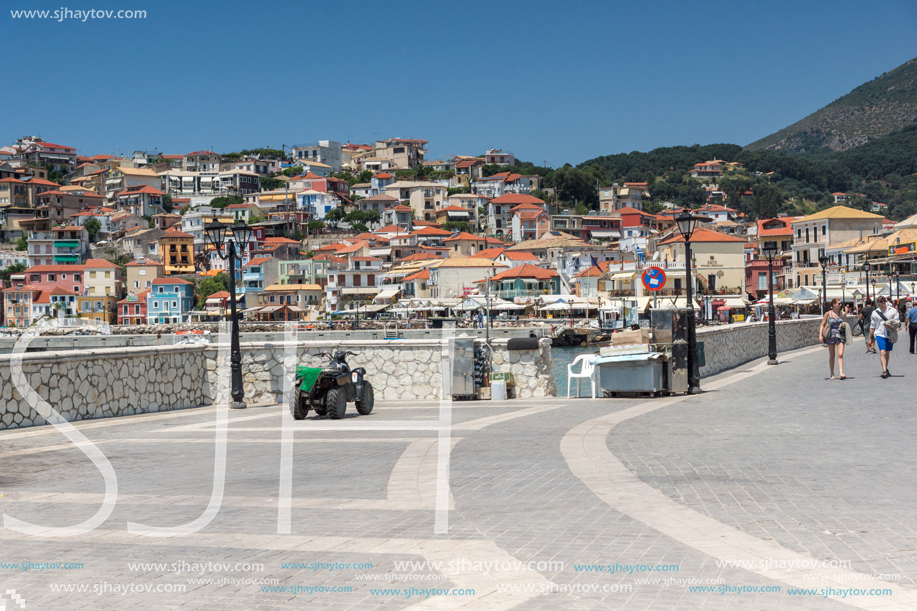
<point x="560" y="81"/>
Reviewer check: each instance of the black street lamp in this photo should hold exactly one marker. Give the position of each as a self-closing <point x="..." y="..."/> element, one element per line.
<point x="866" y="268"/>
<point x="823" y="261"/>
<point x="687" y="224"/>
<point x="241" y="233"/>
<point x="897" y="267"/>
<point x="770" y="252"/>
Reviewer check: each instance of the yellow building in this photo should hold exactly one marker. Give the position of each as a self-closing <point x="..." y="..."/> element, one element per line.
<point x="718" y="259"/>
<point x="177" y="250"/>
<point x="98" y="309"/>
<point x="103" y="278"/>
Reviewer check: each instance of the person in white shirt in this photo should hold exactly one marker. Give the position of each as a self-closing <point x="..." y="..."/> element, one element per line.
<point x="878" y="329"/>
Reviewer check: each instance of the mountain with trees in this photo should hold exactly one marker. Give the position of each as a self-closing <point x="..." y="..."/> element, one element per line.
<point x="873" y="110"/>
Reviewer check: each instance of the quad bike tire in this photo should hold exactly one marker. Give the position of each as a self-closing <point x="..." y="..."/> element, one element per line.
<point x="365" y="407"/>
<point x="336" y="403"/>
<point x="298" y="407"/>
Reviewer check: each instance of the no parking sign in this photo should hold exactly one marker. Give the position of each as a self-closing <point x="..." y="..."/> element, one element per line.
<point x="653" y="278"/>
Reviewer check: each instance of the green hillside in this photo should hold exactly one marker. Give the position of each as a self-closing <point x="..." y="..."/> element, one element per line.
<point x="874" y="109"/>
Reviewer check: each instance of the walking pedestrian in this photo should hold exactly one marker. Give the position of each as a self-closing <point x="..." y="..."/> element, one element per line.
<point x="884" y="328"/>
<point x="865" y="322"/>
<point x="912" y="322"/>
<point x="832" y="332"/>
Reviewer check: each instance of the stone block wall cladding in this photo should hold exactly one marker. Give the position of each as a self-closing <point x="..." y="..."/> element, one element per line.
<point x="405" y="370"/>
<point x="104" y="383"/>
<point x="729" y="346"/>
<point x="89" y="384"/>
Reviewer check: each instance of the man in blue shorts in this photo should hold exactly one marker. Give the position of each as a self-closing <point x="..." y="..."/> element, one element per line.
<point x="878" y="329"/>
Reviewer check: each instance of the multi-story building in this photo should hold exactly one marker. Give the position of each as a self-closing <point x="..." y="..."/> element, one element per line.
<point x="70" y="243"/>
<point x="140" y="274"/>
<point x="615" y="197"/>
<point x="499" y="157"/>
<point x="328" y="152"/>
<point x="69" y="277"/>
<point x="170" y="300"/>
<point x="424" y="198"/>
<point x="500" y="184"/>
<point x="824" y="230"/>
<point x="467" y="171"/>
<point x="177" y="248"/>
<point x="396" y="153"/>
<point x="103" y="278"/>
<point x="63" y="205"/>
<point x="499" y="211"/>
<point x="97" y="309"/>
<point x="525" y="281"/>
<point x="132" y="309"/>
<point x="357" y="282"/>
<point x="720" y="260"/>
<point x="46" y="154"/>
<point x="123" y="177"/>
<point x="201" y="161"/>
<point x="455" y="277"/>
<point x="141" y="200"/>
<point x="529" y="222"/>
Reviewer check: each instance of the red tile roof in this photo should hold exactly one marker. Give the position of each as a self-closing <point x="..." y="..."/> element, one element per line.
<point x="703" y="235"/>
<point x="383" y="176"/>
<point x="526" y="270"/>
<point x="517" y="198"/>
<point x="423" y="274"/>
<point x="257" y="261"/>
<point x="54" y="269"/>
<point x="96" y="263"/>
<point x="171" y="281"/>
<point x="420" y="256"/>
<point x="431" y="231"/>
<point x="464" y="236"/>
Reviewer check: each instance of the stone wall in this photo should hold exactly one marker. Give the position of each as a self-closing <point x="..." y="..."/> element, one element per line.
<point x="729" y="346"/>
<point x="101" y="383"/>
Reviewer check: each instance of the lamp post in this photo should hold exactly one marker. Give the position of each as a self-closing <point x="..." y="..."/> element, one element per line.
<point x="823" y="261"/>
<point x="687" y="223"/>
<point x="770" y="251"/>
<point x="216" y="233"/>
<point x="866" y="268"/>
<point x="897" y="282"/>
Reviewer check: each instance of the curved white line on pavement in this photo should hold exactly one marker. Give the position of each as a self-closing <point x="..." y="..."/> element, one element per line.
<point x="585" y="449"/>
<point x="219" y="459"/>
<point x="98" y="458"/>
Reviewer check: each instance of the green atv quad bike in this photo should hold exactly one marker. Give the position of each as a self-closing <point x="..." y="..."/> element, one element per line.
<point x="327" y="390"/>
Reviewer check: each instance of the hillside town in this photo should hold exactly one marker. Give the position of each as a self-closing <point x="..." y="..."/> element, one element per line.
<point x="379" y="231"/>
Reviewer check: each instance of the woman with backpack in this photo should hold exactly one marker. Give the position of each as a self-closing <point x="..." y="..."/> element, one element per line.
<point x="833" y="332"/>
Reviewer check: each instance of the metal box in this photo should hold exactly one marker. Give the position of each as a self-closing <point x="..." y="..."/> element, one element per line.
<point x="462" y="363"/>
<point x="631" y="373"/>
<point x="677" y="371"/>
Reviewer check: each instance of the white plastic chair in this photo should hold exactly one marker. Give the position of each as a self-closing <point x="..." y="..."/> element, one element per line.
<point x="587" y="370"/>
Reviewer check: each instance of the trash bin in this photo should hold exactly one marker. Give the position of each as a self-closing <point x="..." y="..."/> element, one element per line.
<point x="498" y="391"/>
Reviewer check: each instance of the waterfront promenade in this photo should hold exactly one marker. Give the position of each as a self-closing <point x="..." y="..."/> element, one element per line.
<point x="773" y="481"/>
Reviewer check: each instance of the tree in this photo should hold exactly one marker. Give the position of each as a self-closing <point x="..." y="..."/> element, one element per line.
<point x="457" y="226"/>
<point x="335" y="216"/>
<point x="167" y="202"/>
<point x="15" y="268"/>
<point x="211" y="285"/>
<point x="22" y="244"/>
<point x="223" y="201"/>
<point x="365" y="176"/>
<point x="92" y="226"/>
<point x="359" y="227"/>
<point x="315" y="225"/>
<point x="269" y="184"/>
<point x="768" y="199"/>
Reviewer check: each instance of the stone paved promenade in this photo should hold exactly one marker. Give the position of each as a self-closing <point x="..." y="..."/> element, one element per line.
<point x="774" y="479"/>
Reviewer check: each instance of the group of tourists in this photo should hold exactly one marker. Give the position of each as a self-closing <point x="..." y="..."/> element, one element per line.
<point x="880" y="324"/>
